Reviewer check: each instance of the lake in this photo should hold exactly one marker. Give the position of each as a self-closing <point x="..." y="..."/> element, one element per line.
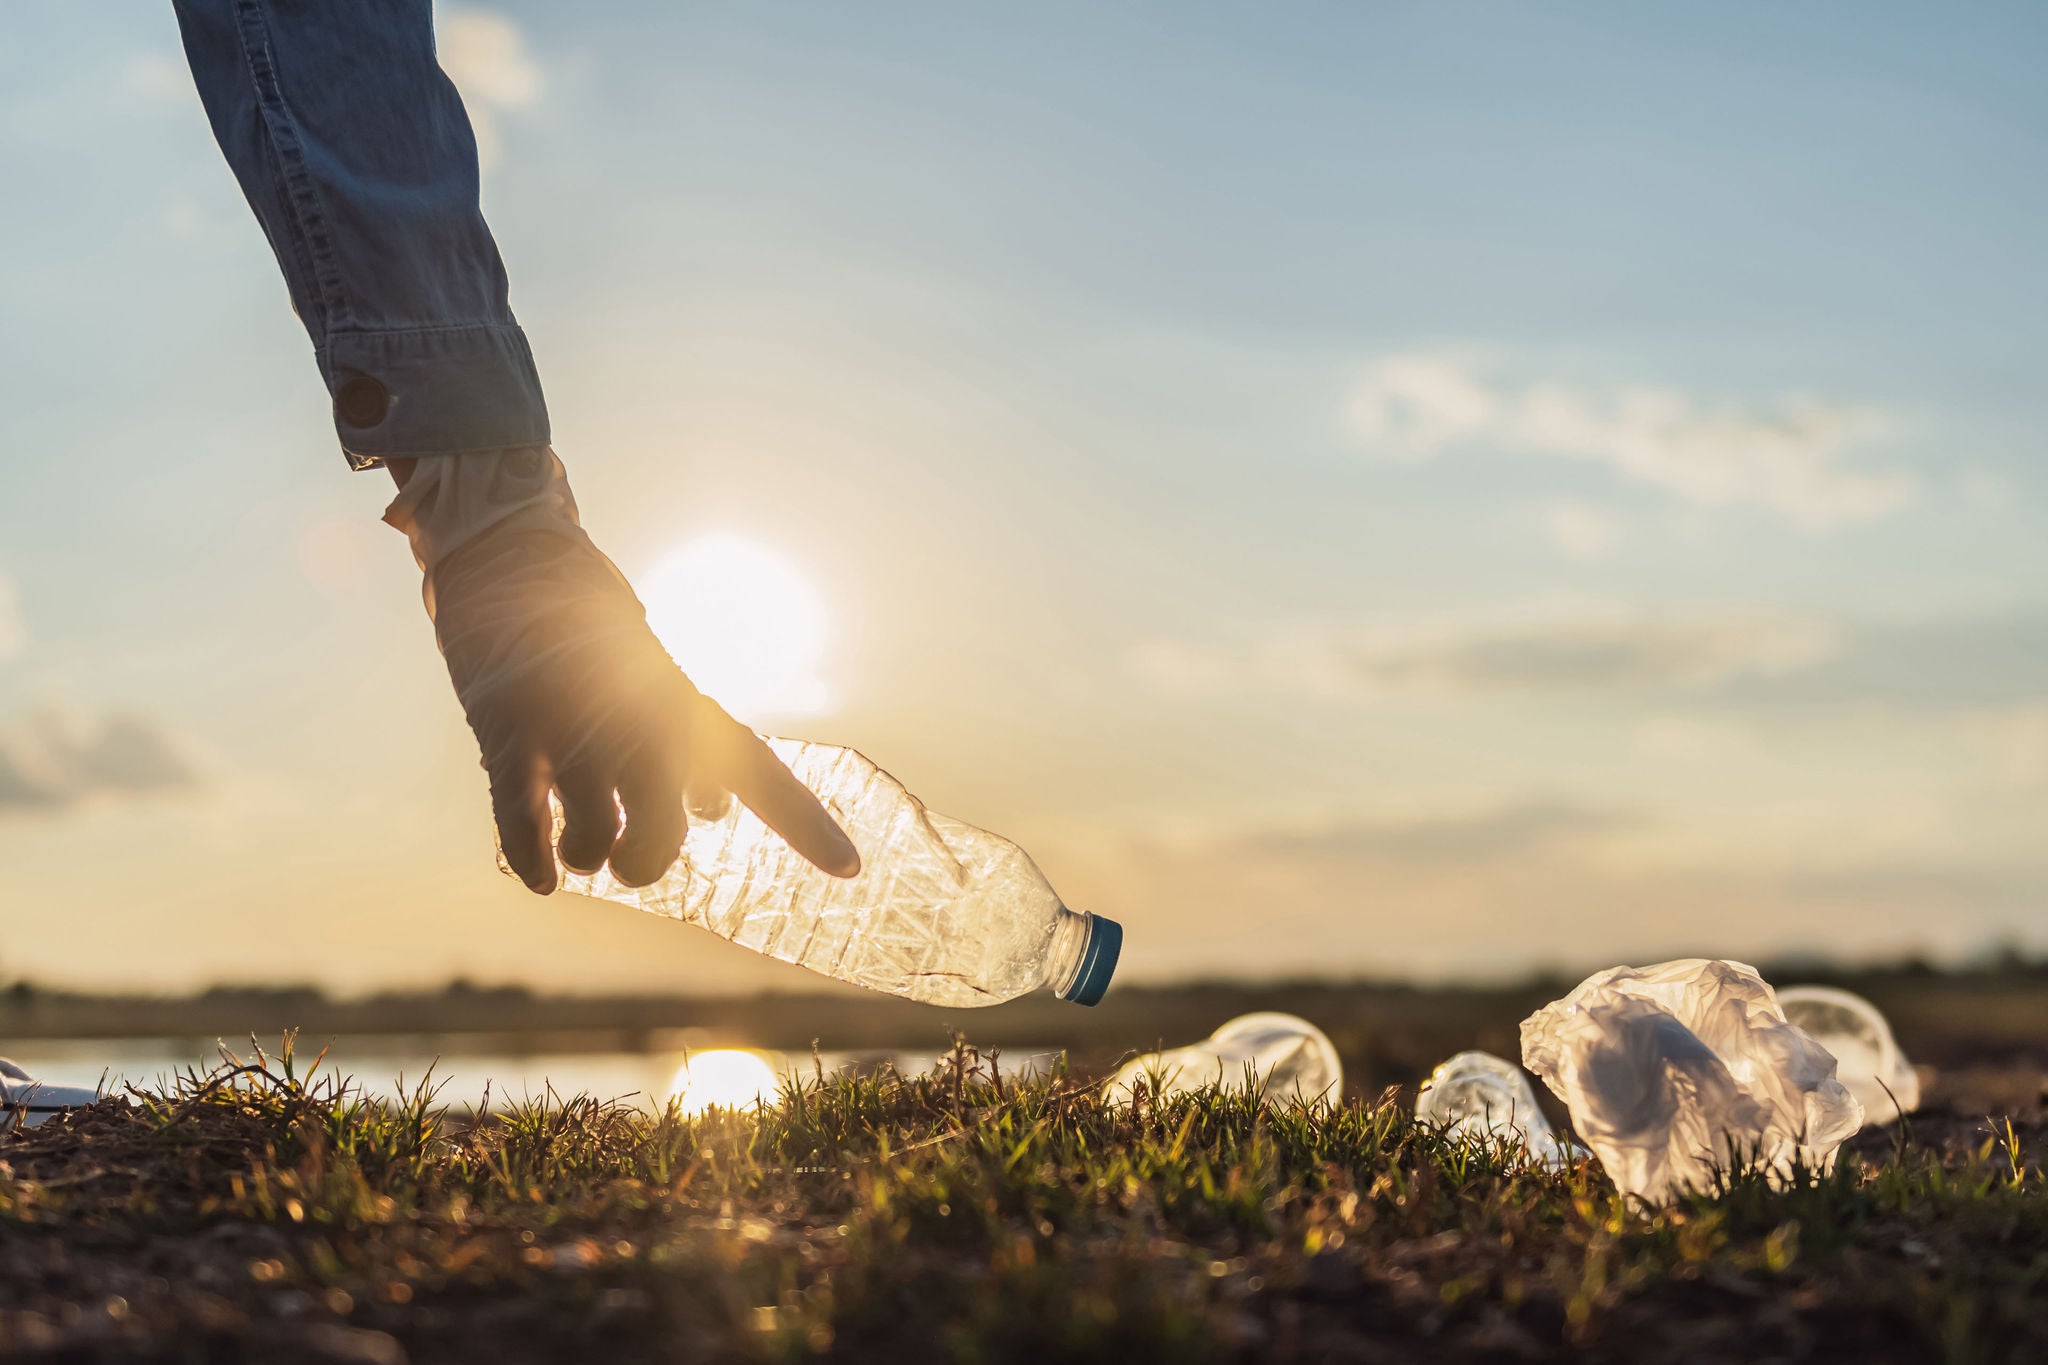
<point x="695" y="1070"/>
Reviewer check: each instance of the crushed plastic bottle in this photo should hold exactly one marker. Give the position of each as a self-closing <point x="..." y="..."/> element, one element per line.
<point x="941" y="912"/>
<point x="1476" y="1094"/>
<point x="1288" y="1059"/>
<point x="1677" y="1072"/>
<point x="1867" y="1058"/>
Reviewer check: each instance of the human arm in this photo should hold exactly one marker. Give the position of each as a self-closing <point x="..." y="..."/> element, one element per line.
<point x="354" y="152"/>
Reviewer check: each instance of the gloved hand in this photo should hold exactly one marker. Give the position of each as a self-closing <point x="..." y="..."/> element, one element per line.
<point x="568" y="690"/>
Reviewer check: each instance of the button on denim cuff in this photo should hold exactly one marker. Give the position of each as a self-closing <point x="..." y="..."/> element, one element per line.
<point x="440" y="391"/>
<point x="353" y="149"/>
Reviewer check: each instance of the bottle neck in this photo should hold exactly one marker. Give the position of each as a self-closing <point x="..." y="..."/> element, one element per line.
<point x="1069" y="951"/>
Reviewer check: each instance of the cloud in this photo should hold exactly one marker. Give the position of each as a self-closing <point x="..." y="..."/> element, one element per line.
<point x="1988" y="488"/>
<point x="158" y="78"/>
<point x="1951" y="662"/>
<point x="11" y="632"/>
<point x="55" y="760"/>
<point x="1510" y="831"/>
<point x="485" y="54"/>
<point x="1580" y="530"/>
<point x="2016" y="740"/>
<point x="1575" y="901"/>
<point x="1581" y="651"/>
<point x="184" y="219"/>
<point x="1412" y="406"/>
<point x="1792" y="459"/>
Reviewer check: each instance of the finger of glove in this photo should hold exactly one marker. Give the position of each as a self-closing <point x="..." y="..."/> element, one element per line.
<point x="651" y="791"/>
<point x="742" y="762"/>
<point x="519" y="804"/>
<point x="706" y="800"/>
<point x="590" y="817"/>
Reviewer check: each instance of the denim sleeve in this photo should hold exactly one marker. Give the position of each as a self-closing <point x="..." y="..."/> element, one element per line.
<point x="355" y="152"/>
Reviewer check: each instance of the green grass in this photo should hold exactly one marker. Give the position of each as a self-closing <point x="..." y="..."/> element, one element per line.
<point x="257" y="1213"/>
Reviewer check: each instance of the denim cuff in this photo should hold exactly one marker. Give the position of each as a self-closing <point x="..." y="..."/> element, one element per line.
<point x="433" y="391"/>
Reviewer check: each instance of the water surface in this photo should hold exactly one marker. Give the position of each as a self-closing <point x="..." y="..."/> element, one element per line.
<point x="466" y="1067"/>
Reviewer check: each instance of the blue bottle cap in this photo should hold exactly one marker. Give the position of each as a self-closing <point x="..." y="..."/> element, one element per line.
<point x="1098" y="961"/>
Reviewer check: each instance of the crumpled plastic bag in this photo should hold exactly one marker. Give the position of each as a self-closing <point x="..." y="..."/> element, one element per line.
<point x="1677" y="1072"/>
<point x="1867" y="1058"/>
<point x="1477" y="1094"/>
<point x="1288" y="1058"/>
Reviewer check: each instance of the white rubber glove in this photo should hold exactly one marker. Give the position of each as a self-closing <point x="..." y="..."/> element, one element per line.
<point x="567" y="689"/>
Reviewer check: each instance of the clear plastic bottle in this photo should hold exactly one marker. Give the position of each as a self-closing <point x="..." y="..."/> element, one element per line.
<point x="941" y="912"/>
<point x="1477" y="1094"/>
<point x="1288" y="1059"/>
<point x="1867" y="1057"/>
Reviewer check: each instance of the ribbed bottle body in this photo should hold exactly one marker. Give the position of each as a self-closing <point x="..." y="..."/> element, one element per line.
<point x="941" y="912"/>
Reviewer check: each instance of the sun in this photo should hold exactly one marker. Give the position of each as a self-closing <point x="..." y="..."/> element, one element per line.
<point x="745" y="624"/>
<point x="724" y="1078"/>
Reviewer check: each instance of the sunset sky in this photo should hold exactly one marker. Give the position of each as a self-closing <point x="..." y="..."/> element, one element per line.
<point x="1400" y="489"/>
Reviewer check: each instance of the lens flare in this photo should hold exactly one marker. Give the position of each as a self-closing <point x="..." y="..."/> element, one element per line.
<point x="723" y="1078"/>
